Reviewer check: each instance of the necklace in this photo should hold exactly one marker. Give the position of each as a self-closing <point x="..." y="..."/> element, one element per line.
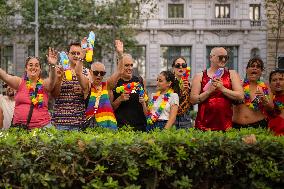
<point x="255" y="105"/>
<point x="278" y="102"/>
<point x="153" y="117"/>
<point x="94" y="99"/>
<point x="36" y="99"/>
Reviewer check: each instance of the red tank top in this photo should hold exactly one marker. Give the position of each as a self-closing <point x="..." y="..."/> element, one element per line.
<point x="215" y="113"/>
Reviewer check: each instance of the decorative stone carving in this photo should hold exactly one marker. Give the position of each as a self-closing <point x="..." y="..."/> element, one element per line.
<point x="223" y="33"/>
<point x="176" y="33"/>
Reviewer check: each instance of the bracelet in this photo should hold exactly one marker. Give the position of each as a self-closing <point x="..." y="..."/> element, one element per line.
<point x="52" y="65"/>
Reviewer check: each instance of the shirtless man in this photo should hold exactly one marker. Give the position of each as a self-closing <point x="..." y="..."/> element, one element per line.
<point x="276" y="122"/>
<point x="257" y="99"/>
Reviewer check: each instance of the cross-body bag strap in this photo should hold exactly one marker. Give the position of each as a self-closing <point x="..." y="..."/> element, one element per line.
<point x="31" y="109"/>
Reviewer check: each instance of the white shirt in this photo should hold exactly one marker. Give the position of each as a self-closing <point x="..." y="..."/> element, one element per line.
<point x="7" y="105"/>
<point x="173" y="100"/>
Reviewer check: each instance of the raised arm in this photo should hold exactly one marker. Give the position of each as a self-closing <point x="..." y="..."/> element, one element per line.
<point x="112" y="80"/>
<point x="52" y="59"/>
<point x="83" y="80"/>
<point x="12" y="81"/>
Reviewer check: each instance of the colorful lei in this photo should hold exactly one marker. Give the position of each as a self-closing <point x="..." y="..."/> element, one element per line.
<point x="153" y="117"/>
<point x="94" y="99"/>
<point x="38" y="99"/>
<point x="254" y="105"/>
<point x="279" y="105"/>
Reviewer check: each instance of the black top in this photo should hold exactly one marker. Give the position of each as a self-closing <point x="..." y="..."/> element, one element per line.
<point x="130" y="112"/>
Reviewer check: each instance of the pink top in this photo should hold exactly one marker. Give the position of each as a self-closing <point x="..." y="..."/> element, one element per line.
<point x="40" y="116"/>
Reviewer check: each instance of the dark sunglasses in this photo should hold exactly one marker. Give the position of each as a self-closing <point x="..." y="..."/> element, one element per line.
<point x="222" y="57"/>
<point x="75" y="53"/>
<point x="127" y="65"/>
<point x="101" y="73"/>
<point x="178" y="65"/>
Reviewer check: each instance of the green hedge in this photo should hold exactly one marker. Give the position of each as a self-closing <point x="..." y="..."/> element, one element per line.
<point x="132" y="160"/>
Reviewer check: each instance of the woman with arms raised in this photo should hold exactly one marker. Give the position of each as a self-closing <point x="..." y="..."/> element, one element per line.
<point x="31" y="99"/>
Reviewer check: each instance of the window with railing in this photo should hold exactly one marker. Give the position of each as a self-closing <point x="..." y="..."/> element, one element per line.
<point x="139" y="56"/>
<point x="169" y="53"/>
<point x="175" y="10"/>
<point x="254" y="11"/>
<point x="254" y="14"/>
<point x="7" y="59"/>
<point x="222" y="10"/>
<point x="232" y="51"/>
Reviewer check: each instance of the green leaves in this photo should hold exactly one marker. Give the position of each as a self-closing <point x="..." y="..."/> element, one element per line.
<point x="126" y="159"/>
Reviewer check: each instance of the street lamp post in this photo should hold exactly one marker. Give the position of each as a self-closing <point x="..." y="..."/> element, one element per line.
<point x="36" y="28"/>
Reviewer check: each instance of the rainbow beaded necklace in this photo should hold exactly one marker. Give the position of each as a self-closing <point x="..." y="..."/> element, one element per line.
<point x="153" y="117"/>
<point x="279" y="105"/>
<point x="254" y="105"/>
<point x="37" y="99"/>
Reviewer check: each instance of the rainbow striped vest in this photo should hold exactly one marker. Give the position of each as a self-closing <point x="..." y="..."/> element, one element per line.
<point x="104" y="114"/>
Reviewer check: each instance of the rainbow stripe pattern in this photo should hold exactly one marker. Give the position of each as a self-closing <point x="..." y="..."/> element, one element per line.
<point x="104" y="114"/>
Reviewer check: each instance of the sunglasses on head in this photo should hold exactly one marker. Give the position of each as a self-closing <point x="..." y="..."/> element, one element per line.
<point x="178" y="65"/>
<point x="75" y="53"/>
<point x="101" y="73"/>
<point x="222" y="57"/>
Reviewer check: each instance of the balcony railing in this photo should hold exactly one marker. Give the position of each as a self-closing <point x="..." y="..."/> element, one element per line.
<point x="199" y="24"/>
<point x="176" y="21"/>
<point x="224" y="22"/>
<point x="256" y="23"/>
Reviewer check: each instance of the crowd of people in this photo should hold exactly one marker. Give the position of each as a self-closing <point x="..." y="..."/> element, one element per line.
<point x="87" y="100"/>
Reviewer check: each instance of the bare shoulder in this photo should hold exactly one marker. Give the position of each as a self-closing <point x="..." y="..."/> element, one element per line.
<point x="197" y="77"/>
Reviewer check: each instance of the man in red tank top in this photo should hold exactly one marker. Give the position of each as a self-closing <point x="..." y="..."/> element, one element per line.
<point x="215" y="98"/>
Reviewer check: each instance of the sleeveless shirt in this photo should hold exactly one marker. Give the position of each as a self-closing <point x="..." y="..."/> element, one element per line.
<point x="40" y="116"/>
<point x="69" y="106"/>
<point x="130" y="112"/>
<point x="215" y="113"/>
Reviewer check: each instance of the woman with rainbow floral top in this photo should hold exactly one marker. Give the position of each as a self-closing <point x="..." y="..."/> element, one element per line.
<point x="32" y="89"/>
<point x="162" y="108"/>
<point x="258" y="99"/>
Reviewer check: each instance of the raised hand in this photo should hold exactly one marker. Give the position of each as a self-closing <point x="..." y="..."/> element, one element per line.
<point x="119" y="46"/>
<point x="52" y="56"/>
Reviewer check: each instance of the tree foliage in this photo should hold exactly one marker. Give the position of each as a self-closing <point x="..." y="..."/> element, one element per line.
<point x="65" y="21"/>
<point x="275" y="15"/>
<point x="7" y="20"/>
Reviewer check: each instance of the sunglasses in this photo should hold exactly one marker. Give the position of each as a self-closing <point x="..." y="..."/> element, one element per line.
<point x="75" y="53"/>
<point x="127" y="65"/>
<point x="101" y="73"/>
<point x="178" y="65"/>
<point x="222" y="57"/>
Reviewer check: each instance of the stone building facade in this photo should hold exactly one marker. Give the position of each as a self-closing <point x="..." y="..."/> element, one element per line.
<point x="188" y="28"/>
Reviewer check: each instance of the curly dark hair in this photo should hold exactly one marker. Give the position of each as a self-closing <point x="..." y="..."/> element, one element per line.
<point x="256" y="60"/>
